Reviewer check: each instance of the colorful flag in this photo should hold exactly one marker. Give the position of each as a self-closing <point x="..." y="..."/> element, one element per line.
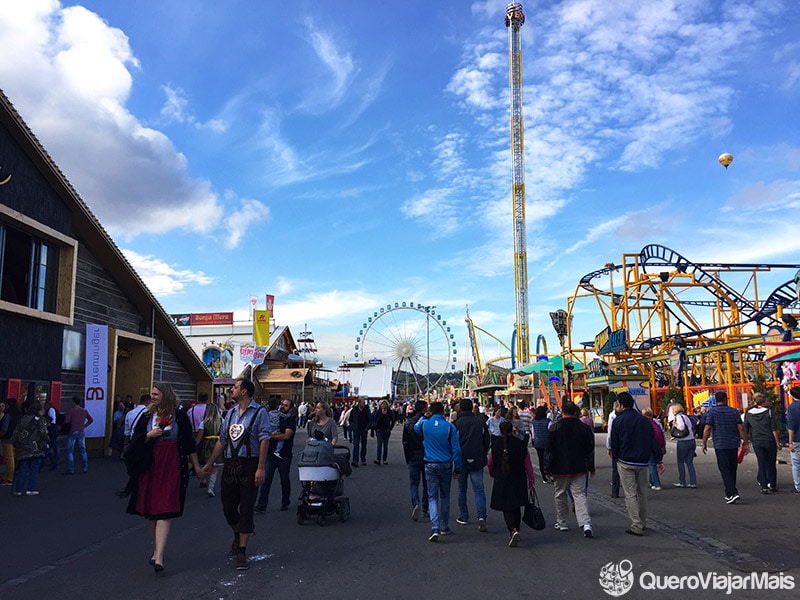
<point x="253" y="305"/>
<point x="261" y="327"/>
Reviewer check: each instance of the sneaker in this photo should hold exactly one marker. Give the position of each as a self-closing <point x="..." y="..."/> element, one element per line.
<point x="277" y="453"/>
<point x="632" y="532"/>
<point x="481" y="524"/>
<point x="241" y="562"/>
<point x="415" y="513"/>
<point x="657" y="488"/>
<point x="731" y="499"/>
<point x="512" y="543"/>
<point x="461" y="521"/>
<point x="33" y="493"/>
<point x="772" y="489"/>
<point x="587" y="531"/>
<point x="17" y="493"/>
<point x="211" y="493"/>
<point x="764" y="491"/>
<point x="692" y="485"/>
<point x="260" y="509"/>
<point x="560" y="527"/>
<point x="678" y="485"/>
<point x="446" y="532"/>
<point x="386" y="462"/>
<point x="355" y="464"/>
<point x="796" y="491"/>
<point x="434" y="537"/>
<point x="376" y="462"/>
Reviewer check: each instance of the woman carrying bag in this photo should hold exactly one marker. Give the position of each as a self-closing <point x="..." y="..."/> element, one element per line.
<point x="510" y="466"/>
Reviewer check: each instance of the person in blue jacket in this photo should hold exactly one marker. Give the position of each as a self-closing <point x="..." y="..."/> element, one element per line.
<point x="442" y="465"/>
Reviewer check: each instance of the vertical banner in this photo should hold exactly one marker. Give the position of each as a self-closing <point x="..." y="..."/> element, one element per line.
<point x="96" y="379"/>
<point x="253" y="305"/>
<point x="261" y="327"/>
<point x="271" y="304"/>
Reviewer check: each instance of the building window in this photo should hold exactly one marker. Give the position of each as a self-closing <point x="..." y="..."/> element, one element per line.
<point x="37" y="268"/>
<point x="28" y="269"/>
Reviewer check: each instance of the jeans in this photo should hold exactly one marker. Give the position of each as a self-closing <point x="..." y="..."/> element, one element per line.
<point x="382" y="436"/>
<point x="439" y="476"/>
<point x="685" y="451"/>
<point x="282" y="466"/>
<point x="416" y="472"/>
<point x="475" y="477"/>
<point x="766" y="455"/>
<point x="27" y="470"/>
<point x="360" y="441"/>
<point x="652" y="474"/>
<point x="632" y="479"/>
<point x="796" y="467"/>
<point x="614" y="479"/>
<point x="54" y="452"/>
<point x="727" y="464"/>
<point x="80" y="438"/>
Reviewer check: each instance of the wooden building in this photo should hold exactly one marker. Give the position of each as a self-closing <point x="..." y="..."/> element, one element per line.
<point x="62" y="279"/>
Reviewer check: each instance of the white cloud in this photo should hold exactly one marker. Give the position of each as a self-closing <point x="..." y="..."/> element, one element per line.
<point x="237" y="224"/>
<point x="162" y="278"/>
<point x="340" y="64"/>
<point x="73" y="77"/>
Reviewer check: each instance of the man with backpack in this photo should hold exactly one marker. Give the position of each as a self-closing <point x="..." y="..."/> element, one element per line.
<point x="442" y="465"/>
<point x="414" y="453"/>
<point x="474" y="439"/>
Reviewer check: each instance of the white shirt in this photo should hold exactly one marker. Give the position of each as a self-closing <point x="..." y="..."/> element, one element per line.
<point x="132" y="417"/>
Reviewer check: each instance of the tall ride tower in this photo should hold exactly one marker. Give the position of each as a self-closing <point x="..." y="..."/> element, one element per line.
<point x="514" y="20"/>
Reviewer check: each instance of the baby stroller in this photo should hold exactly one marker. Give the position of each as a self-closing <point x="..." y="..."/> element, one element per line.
<point x="322" y="468"/>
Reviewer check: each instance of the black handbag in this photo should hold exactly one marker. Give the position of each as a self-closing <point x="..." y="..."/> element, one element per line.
<point x="533" y="516"/>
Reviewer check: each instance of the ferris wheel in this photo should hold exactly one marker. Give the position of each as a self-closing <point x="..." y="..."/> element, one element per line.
<point x="410" y="337"/>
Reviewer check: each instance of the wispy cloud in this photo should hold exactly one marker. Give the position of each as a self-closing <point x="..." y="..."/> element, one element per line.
<point x="162" y="278"/>
<point x="340" y="64"/>
<point x="246" y="217"/>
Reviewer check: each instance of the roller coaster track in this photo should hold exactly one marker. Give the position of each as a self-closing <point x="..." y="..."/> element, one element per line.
<point x="655" y="255"/>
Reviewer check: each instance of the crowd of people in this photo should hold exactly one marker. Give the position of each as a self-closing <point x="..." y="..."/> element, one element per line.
<point x="163" y="442"/>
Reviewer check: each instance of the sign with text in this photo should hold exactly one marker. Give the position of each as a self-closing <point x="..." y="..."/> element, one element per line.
<point x="246" y="352"/>
<point x="95" y="387"/>
<point x="607" y="341"/>
<point x="259" y="353"/>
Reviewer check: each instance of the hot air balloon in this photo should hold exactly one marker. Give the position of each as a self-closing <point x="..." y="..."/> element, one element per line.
<point x="725" y="160"/>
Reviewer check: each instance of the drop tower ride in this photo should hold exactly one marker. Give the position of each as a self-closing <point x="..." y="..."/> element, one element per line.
<point x="514" y="20"/>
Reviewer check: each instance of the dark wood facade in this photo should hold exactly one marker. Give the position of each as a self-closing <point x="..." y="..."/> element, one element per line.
<point x="96" y="285"/>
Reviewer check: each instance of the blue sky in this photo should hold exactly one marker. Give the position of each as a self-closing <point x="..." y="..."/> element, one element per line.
<point x="348" y="155"/>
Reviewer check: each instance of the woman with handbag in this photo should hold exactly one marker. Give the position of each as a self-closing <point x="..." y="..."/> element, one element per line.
<point x="510" y="466"/>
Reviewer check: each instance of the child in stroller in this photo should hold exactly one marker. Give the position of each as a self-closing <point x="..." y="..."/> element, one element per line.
<point x="322" y="469"/>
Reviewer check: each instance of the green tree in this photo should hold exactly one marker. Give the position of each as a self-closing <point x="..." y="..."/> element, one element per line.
<point x="671" y="396"/>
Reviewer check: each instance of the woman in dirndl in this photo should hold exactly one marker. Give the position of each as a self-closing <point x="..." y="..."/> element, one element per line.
<point x="164" y="435"/>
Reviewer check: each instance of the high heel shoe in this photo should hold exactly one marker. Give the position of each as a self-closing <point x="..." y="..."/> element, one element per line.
<point x="151" y="562"/>
<point x="158" y="568"/>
